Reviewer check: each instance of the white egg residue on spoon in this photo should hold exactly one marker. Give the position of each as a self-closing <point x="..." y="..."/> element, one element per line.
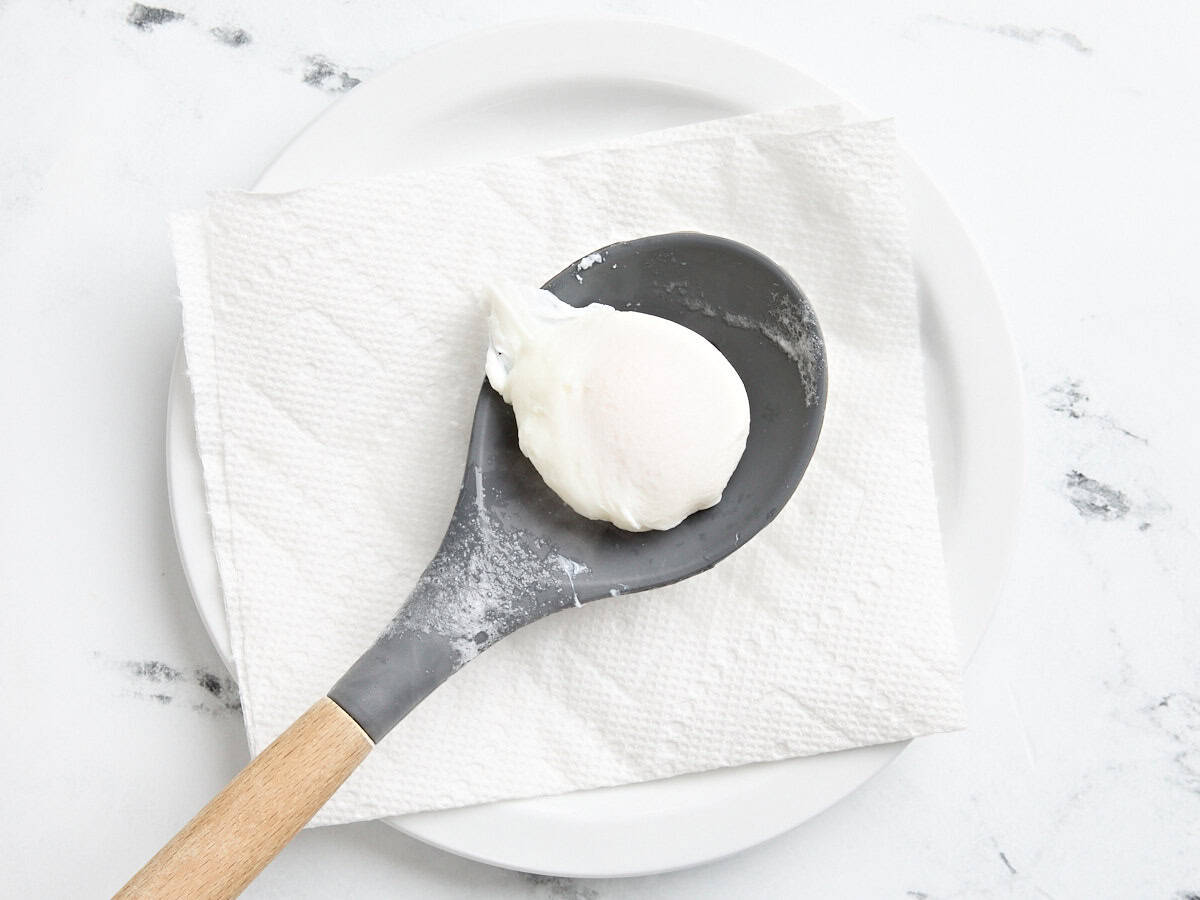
<point x="629" y="418"/>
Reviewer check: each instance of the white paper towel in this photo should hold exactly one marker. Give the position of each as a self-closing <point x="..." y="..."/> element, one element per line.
<point x="335" y="345"/>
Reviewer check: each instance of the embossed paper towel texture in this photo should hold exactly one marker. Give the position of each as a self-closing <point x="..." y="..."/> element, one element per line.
<point x="335" y="346"/>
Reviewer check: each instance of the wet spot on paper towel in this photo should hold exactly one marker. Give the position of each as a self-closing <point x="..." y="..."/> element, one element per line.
<point x="319" y="72"/>
<point x="144" y="18"/>
<point x="560" y="888"/>
<point x="164" y="684"/>
<point x="233" y="37"/>
<point x="1094" y="500"/>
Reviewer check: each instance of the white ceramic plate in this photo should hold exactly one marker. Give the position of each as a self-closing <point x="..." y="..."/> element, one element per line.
<point x="538" y="86"/>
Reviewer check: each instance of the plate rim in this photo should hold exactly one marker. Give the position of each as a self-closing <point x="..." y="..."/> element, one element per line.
<point x="437" y="827"/>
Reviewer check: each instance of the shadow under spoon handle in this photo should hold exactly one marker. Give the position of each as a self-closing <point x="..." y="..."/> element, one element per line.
<point x="244" y="827"/>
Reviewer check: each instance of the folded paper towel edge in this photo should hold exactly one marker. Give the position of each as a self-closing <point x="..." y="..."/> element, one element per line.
<point x="188" y="231"/>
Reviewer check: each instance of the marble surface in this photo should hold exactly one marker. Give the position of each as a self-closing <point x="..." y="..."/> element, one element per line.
<point x="1066" y="136"/>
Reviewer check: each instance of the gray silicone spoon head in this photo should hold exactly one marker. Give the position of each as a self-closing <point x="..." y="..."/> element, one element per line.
<point x="514" y="552"/>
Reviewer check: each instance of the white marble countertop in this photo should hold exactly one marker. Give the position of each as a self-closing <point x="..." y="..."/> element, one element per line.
<point x="1066" y="137"/>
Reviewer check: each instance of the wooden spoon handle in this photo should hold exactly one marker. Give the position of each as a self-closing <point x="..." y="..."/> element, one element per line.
<point x="242" y="829"/>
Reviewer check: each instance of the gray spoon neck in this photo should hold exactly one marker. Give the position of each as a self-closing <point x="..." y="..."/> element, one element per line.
<point x="391" y="678"/>
<point x="485" y="582"/>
